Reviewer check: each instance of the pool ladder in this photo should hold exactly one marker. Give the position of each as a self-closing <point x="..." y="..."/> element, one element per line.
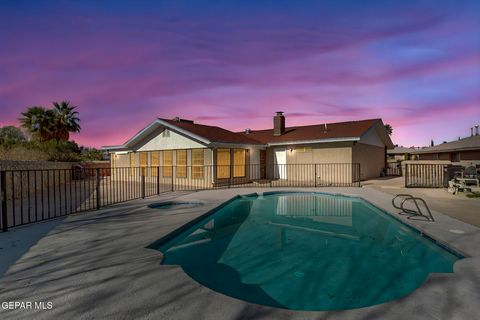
<point x="406" y="198"/>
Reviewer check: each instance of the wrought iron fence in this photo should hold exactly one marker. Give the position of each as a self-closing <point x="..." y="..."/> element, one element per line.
<point x="29" y="196"/>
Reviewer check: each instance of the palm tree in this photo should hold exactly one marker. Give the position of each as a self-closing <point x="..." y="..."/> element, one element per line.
<point x="66" y="120"/>
<point x="389" y="129"/>
<point x="39" y="122"/>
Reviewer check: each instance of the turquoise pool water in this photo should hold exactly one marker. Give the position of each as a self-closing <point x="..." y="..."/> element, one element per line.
<point x="305" y="251"/>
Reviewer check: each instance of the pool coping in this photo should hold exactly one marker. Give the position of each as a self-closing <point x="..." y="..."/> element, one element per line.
<point x="427" y="229"/>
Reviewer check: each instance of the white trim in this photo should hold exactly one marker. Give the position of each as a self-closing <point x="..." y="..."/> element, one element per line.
<point x="237" y="145"/>
<point x="313" y="141"/>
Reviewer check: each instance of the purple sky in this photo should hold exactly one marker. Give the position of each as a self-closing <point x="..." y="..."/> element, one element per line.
<point x="416" y="64"/>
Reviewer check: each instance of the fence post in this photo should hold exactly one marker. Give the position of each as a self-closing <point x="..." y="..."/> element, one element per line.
<point x="406" y="175"/>
<point x="158" y="180"/>
<point x="231" y="176"/>
<point x="142" y="183"/>
<point x="315" y="177"/>
<point x="3" y="195"/>
<point x="97" y="174"/>
<point x="173" y="184"/>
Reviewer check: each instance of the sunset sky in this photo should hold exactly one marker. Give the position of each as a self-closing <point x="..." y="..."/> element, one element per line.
<point x="415" y="64"/>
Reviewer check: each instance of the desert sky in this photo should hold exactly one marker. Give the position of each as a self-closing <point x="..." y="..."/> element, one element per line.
<point x="415" y="64"/>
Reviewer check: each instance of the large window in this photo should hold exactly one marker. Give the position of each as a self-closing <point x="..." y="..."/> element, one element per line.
<point x="155" y="162"/>
<point x="132" y="163"/>
<point x="239" y="162"/>
<point x="113" y="158"/>
<point x="223" y="163"/>
<point x="143" y="157"/>
<point x="167" y="163"/>
<point x="181" y="164"/>
<point x="197" y="163"/>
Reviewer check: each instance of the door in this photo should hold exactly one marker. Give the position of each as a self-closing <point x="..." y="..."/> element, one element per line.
<point x="280" y="164"/>
<point x="263" y="164"/>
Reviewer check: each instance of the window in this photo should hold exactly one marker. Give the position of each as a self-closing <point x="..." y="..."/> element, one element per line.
<point x="132" y="163"/>
<point x="303" y="149"/>
<point x="223" y="163"/>
<point x="167" y="163"/>
<point x="155" y="162"/>
<point x="181" y="164"/>
<point x="197" y="163"/>
<point x="143" y="163"/>
<point x="239" y="162"/>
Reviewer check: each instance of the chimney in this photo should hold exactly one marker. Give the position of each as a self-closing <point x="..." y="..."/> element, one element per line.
<point x="278" y="124"/>
<point x="471" y="132"/>
<point x="476" y="130"/>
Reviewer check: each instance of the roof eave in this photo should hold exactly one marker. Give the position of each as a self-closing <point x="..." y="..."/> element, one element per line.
<point x="345" y="139"/>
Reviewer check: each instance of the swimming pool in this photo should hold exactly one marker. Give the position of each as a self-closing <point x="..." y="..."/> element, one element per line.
<point x="305" y="251"/>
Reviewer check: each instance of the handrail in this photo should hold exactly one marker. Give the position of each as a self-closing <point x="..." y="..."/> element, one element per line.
<point x="413" y="213"/>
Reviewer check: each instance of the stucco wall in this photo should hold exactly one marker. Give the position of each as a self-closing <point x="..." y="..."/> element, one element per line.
<point x="325" y="153"/>
<point x="371" y="159"/>
<point x="169" y="141"/>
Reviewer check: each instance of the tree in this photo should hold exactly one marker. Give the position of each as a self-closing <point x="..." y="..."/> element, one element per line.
<point x="39" y="122"/>
<point x="389" y="129"/>
<point x="66" y="120"/>
<point x="11" y="134"/>
<point x="51" y="124"/>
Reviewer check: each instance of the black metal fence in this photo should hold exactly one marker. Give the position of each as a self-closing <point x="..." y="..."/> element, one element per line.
<point x="29" y="196"/>
<point x="425" y="175"/>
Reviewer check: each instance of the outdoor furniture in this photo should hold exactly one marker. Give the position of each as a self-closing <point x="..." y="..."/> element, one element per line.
<point x="458" y="184"/>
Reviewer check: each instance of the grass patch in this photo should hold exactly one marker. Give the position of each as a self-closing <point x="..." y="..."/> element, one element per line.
<point x="473" y="195"/>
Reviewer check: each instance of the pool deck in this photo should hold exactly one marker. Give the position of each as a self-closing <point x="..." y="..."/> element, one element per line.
<point x="96" y="266"/>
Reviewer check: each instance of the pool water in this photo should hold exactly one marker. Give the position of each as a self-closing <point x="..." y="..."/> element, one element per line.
<point x="306" y="251"/>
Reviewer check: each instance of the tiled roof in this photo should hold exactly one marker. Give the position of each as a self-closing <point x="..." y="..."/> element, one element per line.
<point x="212" y="133"/>
<point x="469" y="143"/>
<point x="350" y="129"/>
<point x="401" y="150"/>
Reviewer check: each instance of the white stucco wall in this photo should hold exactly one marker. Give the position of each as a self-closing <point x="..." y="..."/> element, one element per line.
<point x="171" y="142"/>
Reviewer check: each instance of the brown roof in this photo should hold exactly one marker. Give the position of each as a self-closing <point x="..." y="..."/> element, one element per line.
<point x="469" y="143"/>
<point x="314" y="132"/>
<point x="212" y="133"/>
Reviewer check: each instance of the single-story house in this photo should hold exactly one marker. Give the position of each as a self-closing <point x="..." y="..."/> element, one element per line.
<point x="187" y="150"/>
<point x="464" y="151"/>
<point x="400" y="153"/>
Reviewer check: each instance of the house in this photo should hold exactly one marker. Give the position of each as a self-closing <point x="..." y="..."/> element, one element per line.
<point x="400" y="153"/>
<point x="464" y="151"/>
<point x="188" y="151"/>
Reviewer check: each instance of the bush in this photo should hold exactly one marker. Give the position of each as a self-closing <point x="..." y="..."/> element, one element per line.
<point x="51" y="150"/>
<point x="10" y="135"/>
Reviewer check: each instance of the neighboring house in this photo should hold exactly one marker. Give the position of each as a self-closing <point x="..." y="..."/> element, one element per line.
<point x="400" y="153"/>
<point x="190" y="151"/>
<point x="465" y="151"/>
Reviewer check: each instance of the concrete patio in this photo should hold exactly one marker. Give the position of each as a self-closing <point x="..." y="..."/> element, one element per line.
<point x="96" y="265"/>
